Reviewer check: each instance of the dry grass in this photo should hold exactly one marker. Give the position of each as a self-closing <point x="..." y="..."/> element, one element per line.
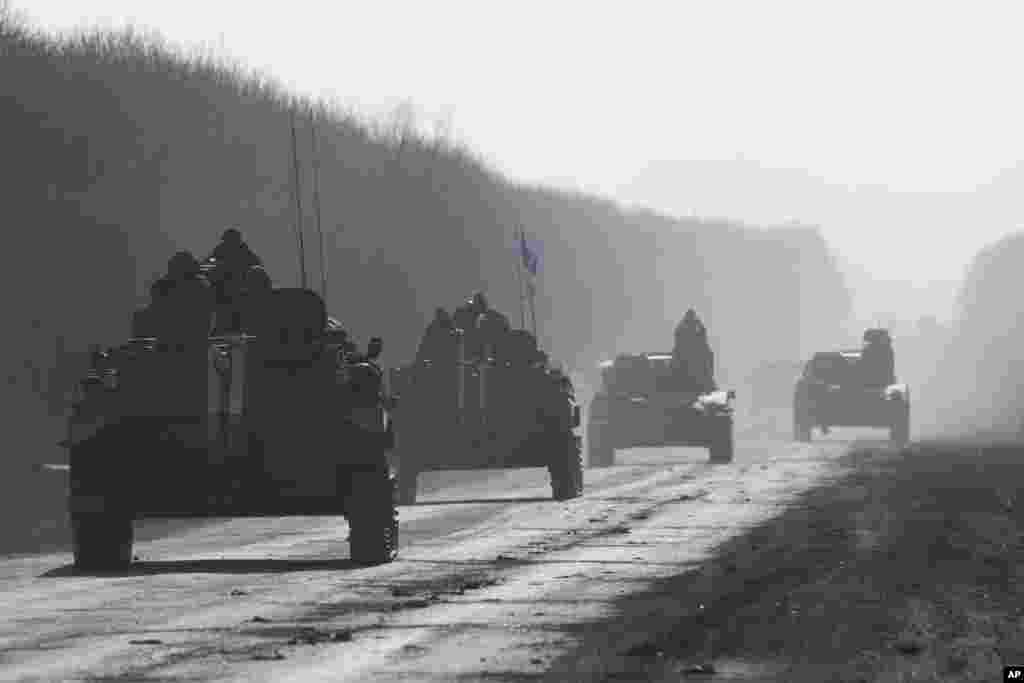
<point x="908" y="569"/>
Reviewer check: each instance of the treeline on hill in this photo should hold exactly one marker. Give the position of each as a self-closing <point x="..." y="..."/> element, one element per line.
<point x="117" y="152"/>
<point x="979" y="381"/>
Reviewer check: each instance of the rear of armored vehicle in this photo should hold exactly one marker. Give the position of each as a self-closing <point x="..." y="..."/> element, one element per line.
<point x="276" y="422"/>
<point x="832" y="393"/>
<point x="495" y="413"/>
<point x="641" y="404"/>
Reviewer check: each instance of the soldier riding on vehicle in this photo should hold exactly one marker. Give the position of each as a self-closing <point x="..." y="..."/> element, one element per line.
<point x="235" y="271"/>
<point x="877" y="361"/>
<point x="853" y="388"/>
<point x="287" y="419"/>
<point x="181" y="302"/>
<point x="693" y="361"/>
<point x="494" y="330"/>
<point x="239" y="309"/>
<point x="656" y="399"/>
<point x="466" y="318"/>
<point x="438" y="342"/>
<point x="488" y="399"/>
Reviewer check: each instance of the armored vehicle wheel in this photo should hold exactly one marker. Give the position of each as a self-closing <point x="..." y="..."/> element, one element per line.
<point x="899" y="432"/>
<point x="372" y="517"/>
<point x="600" y="452"/>
<point x="721" y="447"/>
<point x="567" y="472"/>
<point x="101" y="540"/>
<point x="407" y="485"/>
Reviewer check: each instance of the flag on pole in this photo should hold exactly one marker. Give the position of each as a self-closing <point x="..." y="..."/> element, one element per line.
<point x="530" y="251"/>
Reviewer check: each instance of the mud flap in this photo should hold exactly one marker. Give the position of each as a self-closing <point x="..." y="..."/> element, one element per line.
<point x="372" y="517"/>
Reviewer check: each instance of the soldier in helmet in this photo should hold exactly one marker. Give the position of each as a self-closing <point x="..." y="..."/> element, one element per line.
<point x="467" y="314"/>
<point x="693" y="361"/>
<point x="495" y="330"/>
<point x="236" y="269"/>
<point x="231" y="260"/>
<point x="183" y="272"/>
<point x="181" y="300"/>
<point x="467" y="318"/>
<point x="240" y="313"/>
<point x="234" y="252"/>
<point x="877" y="361"/>
<point x="437" y="343"/>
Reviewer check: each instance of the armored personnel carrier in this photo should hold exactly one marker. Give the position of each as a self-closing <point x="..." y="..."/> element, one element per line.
<point x="281" y="418"/>
<point x="505" y="409"/>
<point x="834" y="391"/>
<point x="640" y="404"/>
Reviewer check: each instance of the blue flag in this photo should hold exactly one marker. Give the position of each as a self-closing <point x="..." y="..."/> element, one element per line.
<point x="531" y="254"/>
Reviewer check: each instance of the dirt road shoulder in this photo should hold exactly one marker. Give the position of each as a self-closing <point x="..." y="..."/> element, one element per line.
<point x="907" y="568"/>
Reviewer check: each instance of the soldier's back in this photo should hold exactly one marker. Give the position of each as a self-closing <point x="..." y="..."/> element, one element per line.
<point x="181" y="309"/>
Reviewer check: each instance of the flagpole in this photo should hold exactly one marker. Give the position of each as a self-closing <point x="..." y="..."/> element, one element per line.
<point x="532" y="290"/>
<point x="297" y="199"/>
<point x="533" y="311"/>
<point x="519" y="274"/>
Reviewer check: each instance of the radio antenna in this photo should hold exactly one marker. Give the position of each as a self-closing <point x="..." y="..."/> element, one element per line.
<point x="297" y="195"/>
<point x="314" y="134"/>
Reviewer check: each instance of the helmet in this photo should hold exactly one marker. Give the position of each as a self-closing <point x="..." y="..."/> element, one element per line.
<point x="231" y="235"/>
<point x="876" y="336"/>
<point x="182" y="264"/>
<point x="479" y="301"/>
<point x="691" y="322"/>
<point x="442" y="315"/>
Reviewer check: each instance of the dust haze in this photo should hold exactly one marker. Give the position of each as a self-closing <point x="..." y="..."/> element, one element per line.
<point x="121" y="151"/>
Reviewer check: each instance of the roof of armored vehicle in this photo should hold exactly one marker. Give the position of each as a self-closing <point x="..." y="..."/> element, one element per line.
<point x="848" y="354"/>
<point x="835" y="366"/>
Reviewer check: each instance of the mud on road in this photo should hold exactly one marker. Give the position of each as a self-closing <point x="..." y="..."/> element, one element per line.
<point x="495" y="581"/>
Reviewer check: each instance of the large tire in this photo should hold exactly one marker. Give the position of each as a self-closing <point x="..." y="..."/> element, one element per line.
<point x="567" y="471"/>
<point x="720" y="451"/>
<point x="101" y="541"/>
<point x="372" y="517"/>
<point x="600" y="451"/>
<point x="899" y="432"/>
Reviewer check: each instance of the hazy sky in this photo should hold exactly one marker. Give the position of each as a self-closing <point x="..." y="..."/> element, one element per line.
<point x="915" y="105"/>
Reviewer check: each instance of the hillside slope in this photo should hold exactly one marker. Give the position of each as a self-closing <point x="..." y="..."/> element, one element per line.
<point x="118" y="152"/>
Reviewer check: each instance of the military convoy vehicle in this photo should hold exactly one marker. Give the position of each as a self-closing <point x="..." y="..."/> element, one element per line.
<point x="832" y="392"/>
<point x="279" y="419"/>
<point x="640" y="404"/>
<point x="495" y="411"/>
